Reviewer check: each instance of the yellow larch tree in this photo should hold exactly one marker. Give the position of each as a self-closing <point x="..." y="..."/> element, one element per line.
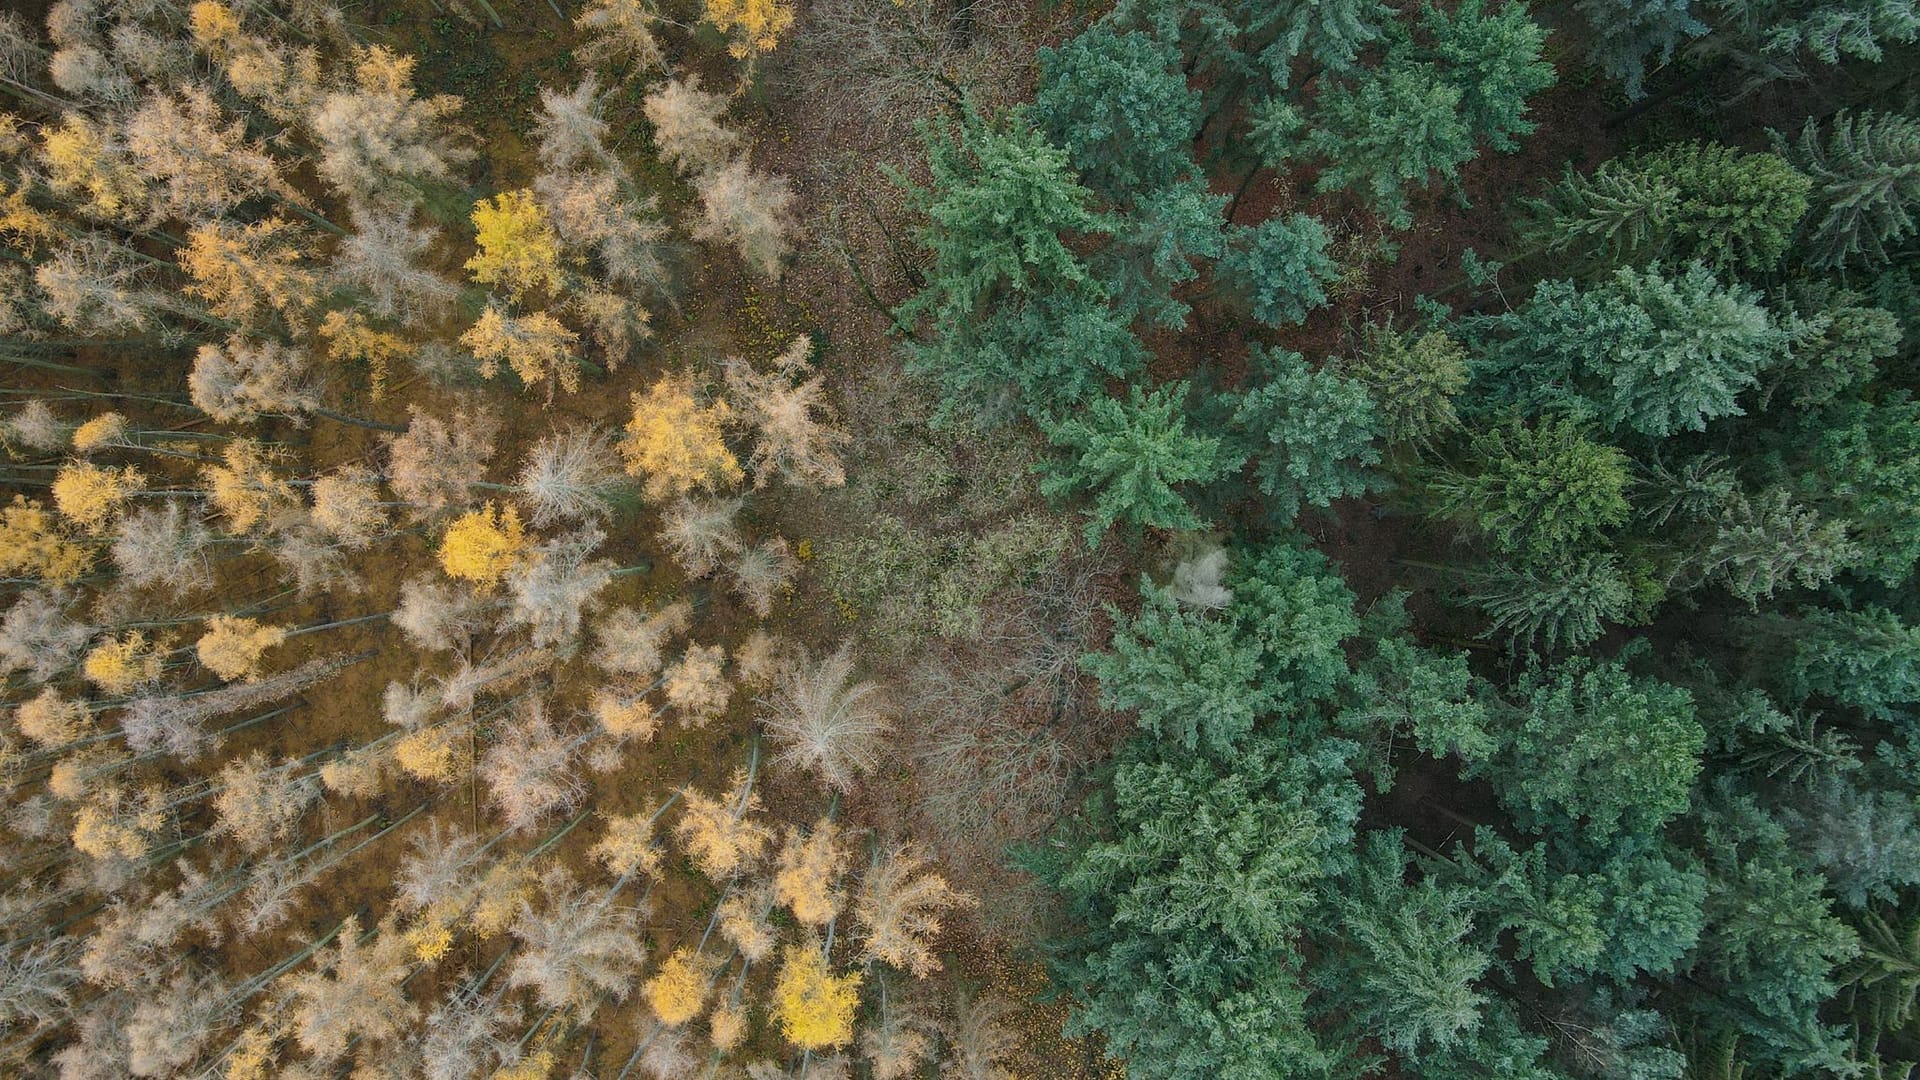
<point x="102" y="431"/>
<point x="89" y="495"/>
<point x="518" y="247"/>
<point x="51" y="721"/>
<point x="246" y="490"/>
<point x="31" y="544"/>
<point x="115" y="822"/>
<point x="22" y="224"/>
<point x="433" y="755"/>
<point x="727" y="1026"/>
<point x="815" y="1007"/>
<point x="83" y="165"/>
<point x="350" y="337"/>
<point x="117" y="665"/>
<point x="807" y="874"/>
<point x="697" y="685"/>
<point x="678" y="990"/>
<point x="245" y="271"/>
<point x="753" y="27"/>
<point x="623" y="716"/>
<point x="628" y="847"/>
<point x="719" y="835"/>
<point x="536" y="346"/>
<point x="677" y="444"/>
<point x="483" y="545"/>
<point x="232" y="646"/>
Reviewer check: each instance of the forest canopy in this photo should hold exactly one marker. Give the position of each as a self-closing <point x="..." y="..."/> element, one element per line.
<point x="883" y="539"/>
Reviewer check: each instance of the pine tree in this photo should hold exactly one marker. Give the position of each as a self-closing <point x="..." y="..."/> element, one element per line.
<point x="1131" y="455"/>
<point x="1599" y="750"/>
<point x="1309" y="432"/>
<point x="1628" y="39"/>
<point x="1539" y="493"/>
<point x="1553" y="607"/>
<point x="1412" y="380"/>
<point x="1192" y="679"/>
<point x="1408" y="968"/>
<point x="1866" y="186"/>
<point x="1495" y="60"/>
<point x="1120" y="107"/>
<point x="1281" y="266"/>
<point x="1187" y="898"/>
<point x="1689" y="201"/>
<point x="1391" y="126"/>
<point x="1001" y="199"/>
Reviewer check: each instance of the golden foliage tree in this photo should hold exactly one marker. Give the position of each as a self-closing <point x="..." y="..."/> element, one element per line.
<point x="807" y="874"/>
<point x="232" y="646"/>
<point x="86" y="165"/>
<point x="31" y="544"/>
<point x="90" y="495"/>
<point x="719" y="835"/>
<point x="678" y="990"/>
<point x="245" y="488"/>
<point x="677" y="444"/>
<point x="814" y="1006"/>
<point x="243" y="271"/>
<point x="536" y="346"/>
<point x="753" y="27"/>
<point x="482" y="546"/>
<point x="518" y="248"/>
<point x="118" y="665"/>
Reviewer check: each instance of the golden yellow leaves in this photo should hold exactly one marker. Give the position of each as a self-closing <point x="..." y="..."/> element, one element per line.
<point x="624" y="717"/>
<point x="102" y="430"/>
<point x="31" y="544"/>
<point x="244" y="271"/>
<point x="808" y="867"/>
<point x="678" y="989"/>
<point x="677" y="444"/>
<point x="82" y="166"/>
<point x="537" y="347"/>
<point x="717" y="833"/>
<point x="351" y="337"/>
<point x="51" y="720"/>
<point x="245" y="489"/>
<point x="117" y="665"/>
<point x="482" y="545"/>
<point x="815" y="1007"/>
<point x="627" y="847"/>
<point x="231" y="647"/>
<point x="754" y="26"/>
<point x="89" y="495"/>
<point x="518" y="247"/>
<point x="432" y="754"/>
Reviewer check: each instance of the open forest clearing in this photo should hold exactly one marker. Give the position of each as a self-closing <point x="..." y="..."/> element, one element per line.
<point x="885" y="539"/>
